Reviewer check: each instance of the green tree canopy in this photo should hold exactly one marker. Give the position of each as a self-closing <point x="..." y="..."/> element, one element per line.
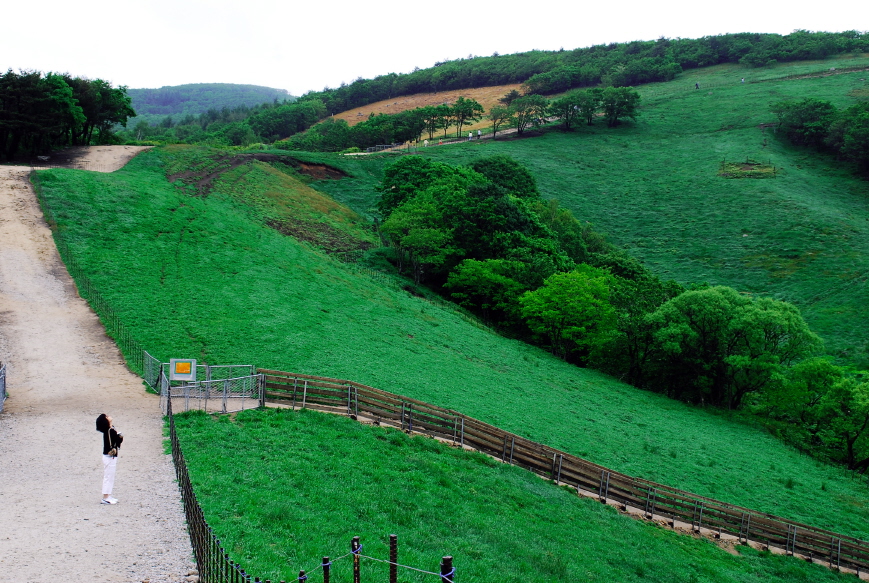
<point x="718" y="346"/>
<point x="618" y="103"/>
<point x="572" y="310"/>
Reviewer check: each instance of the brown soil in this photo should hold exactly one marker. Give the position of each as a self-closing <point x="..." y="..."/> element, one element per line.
<point x="486" y="96"/>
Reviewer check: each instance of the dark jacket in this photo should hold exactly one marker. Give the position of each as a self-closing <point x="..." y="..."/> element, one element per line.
<point x="111" y="438"/>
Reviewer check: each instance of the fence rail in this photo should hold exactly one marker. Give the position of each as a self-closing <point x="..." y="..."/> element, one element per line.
<point x="131" y="349"/>
<point x="411" y="415"/>
<point x="2" y="385"/>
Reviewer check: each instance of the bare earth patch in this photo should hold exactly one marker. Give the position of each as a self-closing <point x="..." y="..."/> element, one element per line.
<point x="62" y="373"/>
<point x="486" y="96"/>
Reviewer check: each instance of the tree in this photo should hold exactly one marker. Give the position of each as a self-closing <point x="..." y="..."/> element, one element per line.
<point x="619" y="102"/>
<point x="413" y="174"/>
<point x="716" y="345"/>
<point x="846" y="409"/>
<point x="416" y="227"/>
<point x="589" y="102"/>
<point x="529" y="110"/>
<point x="566" y="109"/>
<point x="509" y="174"/>
<point x="509" y="98"/>
<point x="849" y="134"/>
<point x="805" y="122"/>
<point x="466" y="111"/>
<point x="488" y="287"/>
<point x="572" y="310"/>
<point x="499" y="116"/>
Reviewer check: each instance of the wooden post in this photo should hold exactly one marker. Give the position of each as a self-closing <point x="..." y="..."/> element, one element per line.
<point x="447" y="570"/>
<point x="512" y="445"/>
<point x="354" y="548"/>
<point x="393" y="558"/>
<point x="326" y="566"/>
<point x="295" y="389"/>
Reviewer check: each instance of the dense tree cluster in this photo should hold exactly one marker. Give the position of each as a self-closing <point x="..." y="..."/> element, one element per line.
<point x="40" y="112"/>
<point x="817" y="123"/>
<point x="482" y="235"/>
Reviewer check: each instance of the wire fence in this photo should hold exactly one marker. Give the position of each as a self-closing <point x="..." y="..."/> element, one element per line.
<point x="130" y="348"/>
<point x="701" y="513"/>
<point x="2" y="385"/>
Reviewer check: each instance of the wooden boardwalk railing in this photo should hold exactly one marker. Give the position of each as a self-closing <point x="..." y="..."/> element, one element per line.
<point x="357" y="400"/>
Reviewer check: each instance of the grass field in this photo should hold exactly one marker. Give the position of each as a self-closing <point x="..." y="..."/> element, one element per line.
<point x="654" y="187"/>
<point x="201" y="276"/>
<point x="330" y="478"/>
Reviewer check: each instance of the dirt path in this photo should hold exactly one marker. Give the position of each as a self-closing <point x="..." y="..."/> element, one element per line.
<point x="63" y="372"/>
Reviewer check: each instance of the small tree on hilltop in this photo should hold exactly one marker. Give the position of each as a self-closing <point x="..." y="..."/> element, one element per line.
<point x="619" y="102"/>
<point x="499" y="116"/>
<point x="466" y="111"/>
<point x="529" y="110"/>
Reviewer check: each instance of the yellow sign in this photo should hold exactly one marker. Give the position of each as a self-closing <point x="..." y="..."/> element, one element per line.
<point x="182" y="368"/>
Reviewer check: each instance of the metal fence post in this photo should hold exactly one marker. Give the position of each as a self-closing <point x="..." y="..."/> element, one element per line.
<point x="393" y="558"/>
<point x="355" y="547"/>
<point x="447" y="570"/>
<point x="326" y="567"/>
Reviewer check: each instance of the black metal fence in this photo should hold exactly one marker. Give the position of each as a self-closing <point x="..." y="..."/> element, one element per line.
<point x="2" y="385"/>
<point x="131" y="349"/>
<point x="215" y="566"/>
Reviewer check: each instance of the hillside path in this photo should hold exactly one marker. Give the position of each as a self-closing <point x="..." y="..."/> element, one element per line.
<point x="63" y="371"/>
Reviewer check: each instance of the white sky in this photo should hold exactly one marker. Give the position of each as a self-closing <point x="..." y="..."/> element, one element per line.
<point x="303" y="45"/>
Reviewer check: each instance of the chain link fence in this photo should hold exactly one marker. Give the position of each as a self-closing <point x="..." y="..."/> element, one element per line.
<point x="2" y="385"/>
<point x="214" y="396"/>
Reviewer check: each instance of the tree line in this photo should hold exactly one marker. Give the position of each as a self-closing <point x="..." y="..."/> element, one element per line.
<point x="619" y="64"/>
<point x="521" y="112"/>
<point x="39" y="112"/>
<point x="820" y="125"/>
<point x="482" y="235"/>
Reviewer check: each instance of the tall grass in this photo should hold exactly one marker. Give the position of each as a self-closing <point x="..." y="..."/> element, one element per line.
<point x="285" y="488"/>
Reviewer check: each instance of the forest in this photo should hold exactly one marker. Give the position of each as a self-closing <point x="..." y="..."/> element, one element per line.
<point x="39" y="113"/>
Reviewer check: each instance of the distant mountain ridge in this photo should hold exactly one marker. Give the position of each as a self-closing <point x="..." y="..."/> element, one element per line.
<point x="196" y="98"/>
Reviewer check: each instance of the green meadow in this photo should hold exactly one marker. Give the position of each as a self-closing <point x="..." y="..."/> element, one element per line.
<point x="201" y="276"/>
<point x="653" y="187"/>
<point x="284" y="489"/>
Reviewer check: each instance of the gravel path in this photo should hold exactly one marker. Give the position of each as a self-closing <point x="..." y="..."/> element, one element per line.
<point x="62" y="373"/>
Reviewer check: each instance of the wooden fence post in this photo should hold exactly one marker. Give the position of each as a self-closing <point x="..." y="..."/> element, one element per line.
<point x="326" y="565"/>
<point x="393" y="558"/>
<point x="447" y="570"/>
<point x="354" y="548"/>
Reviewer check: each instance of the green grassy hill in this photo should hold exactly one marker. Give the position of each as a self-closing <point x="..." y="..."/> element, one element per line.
<point x="653" y="187"/>
<point x="197" y="273"/>
<point x="331" y="478"/>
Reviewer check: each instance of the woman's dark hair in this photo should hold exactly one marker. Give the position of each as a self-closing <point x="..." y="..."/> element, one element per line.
<point x="102" y="423"/>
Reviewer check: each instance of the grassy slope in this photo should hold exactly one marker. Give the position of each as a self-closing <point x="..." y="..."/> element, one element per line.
<point x="334" y="478"/>
<point x="201" y="277"/>
<point x="652" y="187"/>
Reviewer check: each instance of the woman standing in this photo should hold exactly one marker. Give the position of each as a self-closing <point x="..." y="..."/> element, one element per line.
<point x="111" y="444"/>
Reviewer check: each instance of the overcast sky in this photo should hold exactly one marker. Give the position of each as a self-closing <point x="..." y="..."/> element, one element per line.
<point x="308" y="45"/>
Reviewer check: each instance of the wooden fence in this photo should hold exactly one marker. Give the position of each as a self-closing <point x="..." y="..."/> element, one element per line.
<point x="411" y="415"/>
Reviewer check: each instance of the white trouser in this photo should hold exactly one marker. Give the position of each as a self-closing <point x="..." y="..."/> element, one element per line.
<point x="110" y="464"/>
